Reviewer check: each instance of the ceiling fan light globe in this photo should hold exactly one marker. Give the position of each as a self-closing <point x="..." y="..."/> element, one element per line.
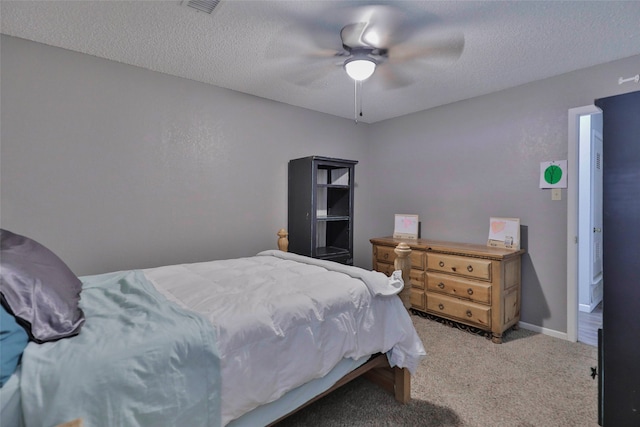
<point x="360" y="69"/>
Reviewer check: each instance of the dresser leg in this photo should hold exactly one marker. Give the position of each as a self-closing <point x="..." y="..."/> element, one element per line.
<point x="496" y="338"/>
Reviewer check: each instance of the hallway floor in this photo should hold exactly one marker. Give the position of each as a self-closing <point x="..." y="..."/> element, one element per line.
<point x="588" y="325"/>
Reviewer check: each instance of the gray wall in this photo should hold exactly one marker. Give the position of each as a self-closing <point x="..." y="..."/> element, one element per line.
<point x="462" y="163"/>
<point x="117" y="167"/>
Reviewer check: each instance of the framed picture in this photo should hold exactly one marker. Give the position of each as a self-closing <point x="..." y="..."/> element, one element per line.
<point x="406" y="226"/>
<point x="553" y="174"/>
<point x="504" y="233"/>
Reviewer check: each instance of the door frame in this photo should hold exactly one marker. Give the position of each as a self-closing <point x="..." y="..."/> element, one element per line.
<point x="572" y="216"/>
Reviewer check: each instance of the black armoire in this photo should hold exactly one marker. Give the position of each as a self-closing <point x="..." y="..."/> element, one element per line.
<point x="619" y="340"/>
<point x="320" y="203"/>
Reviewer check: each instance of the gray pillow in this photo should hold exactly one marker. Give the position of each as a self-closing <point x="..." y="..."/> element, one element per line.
<point x="39" y="289"/>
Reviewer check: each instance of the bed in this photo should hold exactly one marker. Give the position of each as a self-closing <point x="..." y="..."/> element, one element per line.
<point x="239" y="342"/>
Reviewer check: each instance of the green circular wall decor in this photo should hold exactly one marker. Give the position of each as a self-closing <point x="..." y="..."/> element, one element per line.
<point x="553" y="174"/>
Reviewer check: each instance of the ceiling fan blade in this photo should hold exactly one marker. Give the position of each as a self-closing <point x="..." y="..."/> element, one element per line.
<point x="352" y="34"/>
<point x="438" y="49"/>
<point x="311" y="74"/>
<point x="374" y="26"/>
<point x="292" y="41"/>
<point x="388" y="76"/>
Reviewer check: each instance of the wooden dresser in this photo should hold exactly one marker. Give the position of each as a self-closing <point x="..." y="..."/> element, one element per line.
<point x="469" y="284"/>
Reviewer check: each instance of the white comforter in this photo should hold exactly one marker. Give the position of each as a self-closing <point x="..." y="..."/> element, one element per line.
<point x="283" y="320"/>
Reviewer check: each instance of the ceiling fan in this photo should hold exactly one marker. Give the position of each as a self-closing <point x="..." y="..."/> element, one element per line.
<point x="390" y="45"/>
<point x="384" y="36"/>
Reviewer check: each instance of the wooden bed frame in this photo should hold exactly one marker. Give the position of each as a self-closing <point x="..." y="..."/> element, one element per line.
<point x="395" y="380"/>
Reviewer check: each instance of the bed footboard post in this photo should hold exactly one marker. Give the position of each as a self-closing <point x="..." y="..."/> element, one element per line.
<point x="402" y="379"/>
<point x="403" y="263"/>
<point x="283" y="240"/>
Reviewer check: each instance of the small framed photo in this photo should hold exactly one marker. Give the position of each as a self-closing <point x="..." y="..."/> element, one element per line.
<point x="406" y="226"/>
<point x="504" y="233"/>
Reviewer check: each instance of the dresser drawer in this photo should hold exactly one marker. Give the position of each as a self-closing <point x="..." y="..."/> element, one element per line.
<point x="417" y="299"/>
<point x="469" y="267"/>
<point x="386" y="254"/>
<point x="459" y="287"/>
<point x="464" y="311"/>
<point x="384" y="267"/>
<point x="416" y="276"/>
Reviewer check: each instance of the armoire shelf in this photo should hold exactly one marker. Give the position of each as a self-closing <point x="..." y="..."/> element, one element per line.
<point x="320" y="204"/>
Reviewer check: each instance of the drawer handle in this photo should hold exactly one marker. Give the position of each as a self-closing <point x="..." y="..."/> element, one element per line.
<point x="469" y="268"/>
<point x="441" y="285"/>
<point x="470" y="291"/>
<point x="441" y="306"/>
<point x="386" y="256"/>
<point x="469" y="314"/>
<point x="441" y="263"/>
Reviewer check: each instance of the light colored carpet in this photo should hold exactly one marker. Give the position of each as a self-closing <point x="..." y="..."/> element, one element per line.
<point x="466" y="380"/>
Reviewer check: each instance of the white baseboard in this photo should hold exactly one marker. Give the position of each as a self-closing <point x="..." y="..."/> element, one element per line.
<point x="585" y="308"/>
<point x="545" y="331"/>
<point x="597" y="299"/>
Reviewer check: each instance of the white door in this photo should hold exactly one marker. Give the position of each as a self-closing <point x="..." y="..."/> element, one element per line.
<point x="582" y="121"/>
<point x="590" y="213"/>
<point x="596" y="217"/>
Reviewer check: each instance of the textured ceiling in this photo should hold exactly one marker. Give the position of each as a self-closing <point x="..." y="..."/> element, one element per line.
<point x="268" y="48"/>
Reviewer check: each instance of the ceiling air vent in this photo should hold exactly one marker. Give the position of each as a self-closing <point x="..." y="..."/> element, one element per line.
<point x="206" y="6"/>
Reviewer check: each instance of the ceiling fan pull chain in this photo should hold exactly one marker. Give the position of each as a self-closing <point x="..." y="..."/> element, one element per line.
<point x="360" y="97"/>
<point x="355" y="101"/>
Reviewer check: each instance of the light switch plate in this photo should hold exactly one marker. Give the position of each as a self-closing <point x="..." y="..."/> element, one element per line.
<point x="556" y="194"/>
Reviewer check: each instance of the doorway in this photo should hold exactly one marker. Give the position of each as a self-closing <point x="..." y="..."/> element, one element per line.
<point x="584" y="229"/>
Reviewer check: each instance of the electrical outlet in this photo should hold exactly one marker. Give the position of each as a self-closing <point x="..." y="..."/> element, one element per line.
<point x="556" y="194"/>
